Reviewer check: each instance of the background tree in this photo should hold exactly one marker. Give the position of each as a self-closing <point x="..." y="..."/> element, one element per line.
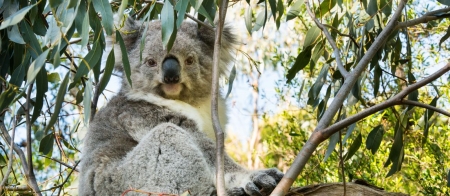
<point x="370" y="69"/>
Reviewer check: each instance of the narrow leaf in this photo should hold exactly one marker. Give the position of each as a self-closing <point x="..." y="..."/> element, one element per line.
<point x="58" y="104"/>
<point x="36" y="66"/>
<point x="104" y="7"/>
<point x="231" y="80"/>
<point x="46" y="144"/>
<point x="41" y="89"/>
<point x="109" y="67"/>
<point x="332" y="145"/>
<point x="168" y="23"/>
<point x="311" y="36"/>
<point x="354" y="147"/>
<point x="125" y="61"/>
<point x="248" y="19"/>
<point x="87" y="100"/>
<point x="445" y="37"/>
<point x="14" y="35"/>
<point x="349" y="132"/>
<point x="374" y="139"/>
<point x="181" y="7"/>
<point x="294" y="10"/>
<point x="16" y="17"/>
<point x="273" y="7"/>
<point x="372" y="8"/>
<point x="89" y="61"/>
<point x="427" y="117"/>
<point x="300" y="62"/>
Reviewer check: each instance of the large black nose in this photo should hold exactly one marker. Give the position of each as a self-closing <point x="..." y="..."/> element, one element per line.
<point x="171" y="70"/>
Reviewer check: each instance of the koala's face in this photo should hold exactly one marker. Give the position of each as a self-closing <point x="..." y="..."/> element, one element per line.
<point x="184" y="73"/>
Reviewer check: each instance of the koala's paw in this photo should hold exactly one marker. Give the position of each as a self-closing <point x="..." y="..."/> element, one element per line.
<point x="261" y="183"/>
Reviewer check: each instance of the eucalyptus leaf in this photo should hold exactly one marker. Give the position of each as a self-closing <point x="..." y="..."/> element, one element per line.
<point x="125" y="61"/>
<point x="354" y="147"/>
<point x="58" y="103"/>
<point x="36" y="65"/>
<point x="104" y="7"/>
<point x="16" y="17"/>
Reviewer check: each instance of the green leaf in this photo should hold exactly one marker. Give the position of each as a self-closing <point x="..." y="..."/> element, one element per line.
<point x="354" y="147"/>
<point x="397" y="152"/>
<point x="445" y="37"/>
<point x="325" y="7"/>
<point x="54" y="3"/>
<point x="378" y="74"/>
<point x="46" y="144"/>
<point x="260" y="20"/>
<point x="427" y="116"/>
<point x="280" y="8"/>
<point x="372" y="8"/>
<point x="41" y="89"/>
<point x="386" y="7"/>
<point x="19" y="73"/>
<point x="87" y="100"/>
<point x="168" y="24"/>
<point x="30" y="39"/>
<point x="196" y="4"/>
<point x="104" y="7"/>
<point x="181" y="7"/>
<point x="36" y="66"/>
<point x="445" y="2"/>
<point x="313" y="93"/>
<point x="348" y="133"/>
<point x="413" y="96"/>
<point x="6" y="97"/>
<point x="109" y="67"/>
<point x="300" y="62"/>
<point x="58" y="103"/>
<point x="53" y="77"/>
<point x="273" y="7"/>
<point x="311" y="36"/>
<point x="16" y="17"/>
<point x="14" y="35"/>
<point x="332" y="145"/>
<point x="294" y="10"/>
<point x="448" y="178"/>
<point x="85" y="31"/>
<point x="231" y="80"/>
<point x="89" y="61"/>
<point x="125" y="61"/>
<point x="248" y="19"/>
<point x="374" y="139"/>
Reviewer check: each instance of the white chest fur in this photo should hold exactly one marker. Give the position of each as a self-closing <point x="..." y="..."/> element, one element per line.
<point x="201" y="114"/>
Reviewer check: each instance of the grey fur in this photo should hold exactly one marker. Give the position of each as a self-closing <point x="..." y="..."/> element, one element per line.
<point x="149" y="139"/>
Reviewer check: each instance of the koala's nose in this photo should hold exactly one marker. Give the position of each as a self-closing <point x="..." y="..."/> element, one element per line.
<point x="171" y="70"/>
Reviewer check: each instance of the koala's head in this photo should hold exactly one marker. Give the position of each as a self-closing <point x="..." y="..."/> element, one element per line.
<point x="184" y="73"/>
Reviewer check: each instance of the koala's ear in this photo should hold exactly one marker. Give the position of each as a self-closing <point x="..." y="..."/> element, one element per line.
<point x="130" y="30"/>
<point x="229" y="42"/>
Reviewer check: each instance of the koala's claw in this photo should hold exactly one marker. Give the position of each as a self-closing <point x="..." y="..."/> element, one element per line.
<point x="261" y="183"/>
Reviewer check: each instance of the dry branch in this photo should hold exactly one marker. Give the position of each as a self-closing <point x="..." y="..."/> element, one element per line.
<point x="220" y="136"/>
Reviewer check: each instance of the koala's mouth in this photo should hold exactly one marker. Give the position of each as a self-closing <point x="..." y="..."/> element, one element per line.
<point x="172" y="90"/>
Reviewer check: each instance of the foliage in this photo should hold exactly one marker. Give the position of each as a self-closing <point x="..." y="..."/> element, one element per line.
<point x="52" y="77"/>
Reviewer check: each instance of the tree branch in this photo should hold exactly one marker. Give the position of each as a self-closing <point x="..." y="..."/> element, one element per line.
<point x="220" y="180"/>
<point x="30" y="174"/>
<point x="423" y="105"/>
<point x="425" y="18"/>
<point x="11" y="155"/>
<point x="62" y="163"/>
<point x="317" y="136"/>
<point x="337" y="52"/>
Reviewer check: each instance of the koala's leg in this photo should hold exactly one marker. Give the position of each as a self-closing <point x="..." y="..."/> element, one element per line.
<point x="166" y="160"/>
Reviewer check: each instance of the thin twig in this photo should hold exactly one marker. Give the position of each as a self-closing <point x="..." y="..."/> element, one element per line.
<point x="30" y="174"/>
<point x="343" y="34"/>
<point x="423" y="105"/>
<point x="11" y="156"/>
<point x="60" y="162"/>
<point x="337" y="52"/>
<point x="425" y="18"/>
<point x="220" y="167"/>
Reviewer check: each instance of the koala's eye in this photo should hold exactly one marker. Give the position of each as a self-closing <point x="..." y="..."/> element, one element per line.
<point x="151" y="63"/>
<point x="189" y="61"/>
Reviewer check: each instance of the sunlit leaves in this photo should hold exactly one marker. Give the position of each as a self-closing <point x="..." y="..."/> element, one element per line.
<point x="311" y="36"/>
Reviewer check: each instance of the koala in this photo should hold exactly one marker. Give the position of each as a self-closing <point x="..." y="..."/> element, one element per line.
<point x="156" y="134"/>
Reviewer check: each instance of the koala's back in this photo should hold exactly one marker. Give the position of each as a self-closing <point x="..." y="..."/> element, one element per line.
<point x="109" y="166"/>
